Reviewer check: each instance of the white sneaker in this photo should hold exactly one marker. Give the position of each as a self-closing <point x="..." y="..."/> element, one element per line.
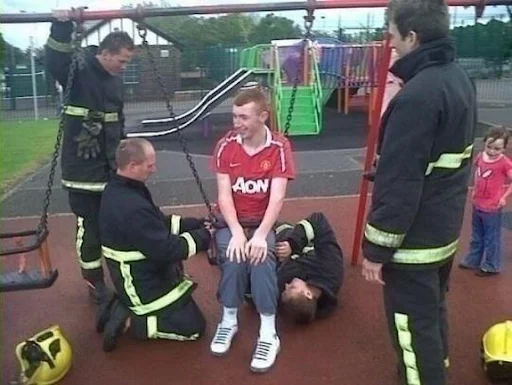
<point x="221" y="341"/>
<point x="265" y="354"/>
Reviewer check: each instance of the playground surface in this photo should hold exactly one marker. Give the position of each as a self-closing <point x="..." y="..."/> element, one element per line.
<point x="351" y="347"/>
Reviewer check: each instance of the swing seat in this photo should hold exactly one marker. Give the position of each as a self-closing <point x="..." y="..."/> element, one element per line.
<point x="29" y="278"/>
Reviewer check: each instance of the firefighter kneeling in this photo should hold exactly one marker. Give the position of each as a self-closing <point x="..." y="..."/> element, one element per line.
<point x="144" y="251"/>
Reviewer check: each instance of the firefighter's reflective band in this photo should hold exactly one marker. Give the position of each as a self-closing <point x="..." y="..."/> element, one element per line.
<point x="153" y="333"/>
<point x="80" y="232"/>
<point x="450" y="160"/>
<point x="175" y="224"/>
<point x="58" y="46"/>
<point x="81" y="111"/>
<point x="283" y="227"/>
<point x="383" y="238"/>
<point x="431" y="255"/>
<point x="446" y="363"/>
<point x="192" y="248"/>
<point x="122" y="256"/>
<point x="412" y="375"/>
<point x="97" y="187"/>
<point x="308" y="228"/>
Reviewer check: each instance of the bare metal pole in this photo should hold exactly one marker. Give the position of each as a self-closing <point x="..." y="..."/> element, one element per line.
<point x="140" y="12"/>
<point x="34" y="80"/>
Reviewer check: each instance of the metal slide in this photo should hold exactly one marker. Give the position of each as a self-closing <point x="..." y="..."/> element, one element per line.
<point x="212" y="99"/>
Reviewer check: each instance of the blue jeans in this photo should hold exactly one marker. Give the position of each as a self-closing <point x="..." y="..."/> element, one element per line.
<point x="485" y="248"/>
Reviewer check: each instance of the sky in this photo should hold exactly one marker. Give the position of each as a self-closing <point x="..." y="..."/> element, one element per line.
<point x="19" y="35"/>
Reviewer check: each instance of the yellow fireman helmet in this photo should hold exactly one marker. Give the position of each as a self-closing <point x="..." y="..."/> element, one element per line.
<point x="45" y="358"/>
<point x="497" y="351"/>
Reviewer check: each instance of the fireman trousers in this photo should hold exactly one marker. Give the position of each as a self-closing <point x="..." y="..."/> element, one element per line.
<point x="236" y="277"/>
<point x="86" y="207"/>
<point x="185" y="323"/>
<point x="415" y="304"/>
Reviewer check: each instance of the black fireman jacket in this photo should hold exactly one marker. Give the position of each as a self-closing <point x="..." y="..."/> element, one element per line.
<point x="95" y="92"/>
<point x="144" y="249"/>
<point x="316" y="258"/>
<point x="422" y="175"/>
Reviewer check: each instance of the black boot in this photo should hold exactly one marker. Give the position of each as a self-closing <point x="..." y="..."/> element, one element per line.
<point x="102" y="298"/>
<point x="115" y="326"/>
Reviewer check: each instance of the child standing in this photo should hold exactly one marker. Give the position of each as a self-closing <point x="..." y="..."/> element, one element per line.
<point x="490" y="193"/>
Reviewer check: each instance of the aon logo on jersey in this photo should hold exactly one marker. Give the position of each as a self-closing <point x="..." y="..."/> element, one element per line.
<point x="250" y="186"/>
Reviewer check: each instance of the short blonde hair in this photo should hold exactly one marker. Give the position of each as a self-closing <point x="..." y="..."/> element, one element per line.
<point x="131" y="150"/>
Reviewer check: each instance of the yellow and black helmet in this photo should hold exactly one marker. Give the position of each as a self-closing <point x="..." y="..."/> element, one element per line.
<point x="497" y="351"/>
<point x="45" y="358"/>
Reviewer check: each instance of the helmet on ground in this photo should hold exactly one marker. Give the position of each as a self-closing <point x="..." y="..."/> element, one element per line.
<point x="45" y="358"/>
<point x="497" y="351"/>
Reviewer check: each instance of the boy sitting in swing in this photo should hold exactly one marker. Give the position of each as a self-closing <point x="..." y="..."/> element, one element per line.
<point x="253" y="166"/>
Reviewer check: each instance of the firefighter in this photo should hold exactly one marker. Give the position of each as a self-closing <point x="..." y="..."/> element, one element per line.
<point x="144" y="251"/>
<point x="93" y="127"/>
<point x="419" y="193"/>
<point x="310" y="273"/>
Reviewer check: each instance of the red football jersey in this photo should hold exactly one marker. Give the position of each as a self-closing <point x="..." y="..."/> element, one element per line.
<point x="251" y="175"/>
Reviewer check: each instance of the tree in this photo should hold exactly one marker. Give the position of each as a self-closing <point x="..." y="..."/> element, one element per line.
<point x="273" y="27"/>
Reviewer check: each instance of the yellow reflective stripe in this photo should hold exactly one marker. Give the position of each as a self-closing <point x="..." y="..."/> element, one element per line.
<point x="450" y="160"/>
<point x="308" y="228"/>
<point x="307" y="249"/>
<point x="192" y="247"/>
<point x="122" y="256"/>
<point x="58" y="46"/>
<point x="167" y="299"/>
<point x="175" y="224"/>
<point x="408" y="354"/>
<point x="383" y="238"/>
<point x="447" y="363"/>
<point x="84" y="185"/>
<point x="282" y="227"/>
<point x="82" y="111"/>
<point x="80" y="231"/>
<point x="76" y="111"/>
<point x="153" y="333"/>
<point x="129" y="287"/>
<point x="111" y="117"/>
<point x="417" y="256"/>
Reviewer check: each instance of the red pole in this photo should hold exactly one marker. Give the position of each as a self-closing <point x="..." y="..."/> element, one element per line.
<point x="370" y="150"/>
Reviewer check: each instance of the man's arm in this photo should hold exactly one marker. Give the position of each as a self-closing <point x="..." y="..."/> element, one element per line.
<point x="405" y="155"/>
<point x="150" y="235"/>
<point x="59" y="51"/>
<point x="275" y="204"/>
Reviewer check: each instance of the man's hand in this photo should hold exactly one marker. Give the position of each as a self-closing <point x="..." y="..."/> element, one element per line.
<point x="67" y="14"/>
<point x="283" y="250"/>
<point x="256" y="248"/>
<point x="236" y="246"/>
<point x="372" y="271"/>
<point x="502" y="202"/>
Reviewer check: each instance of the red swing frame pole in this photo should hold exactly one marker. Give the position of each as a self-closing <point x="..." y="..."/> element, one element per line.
<point x="370" y="149"/>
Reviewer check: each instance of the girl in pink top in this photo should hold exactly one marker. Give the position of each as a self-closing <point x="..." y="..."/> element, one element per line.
<point x="492" y="171"/>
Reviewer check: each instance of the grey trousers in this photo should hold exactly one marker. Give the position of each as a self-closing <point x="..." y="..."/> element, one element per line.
<point x="236" y="277"/>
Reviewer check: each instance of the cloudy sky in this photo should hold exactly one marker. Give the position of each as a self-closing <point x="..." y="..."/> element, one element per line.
<point x="19" y="34"/>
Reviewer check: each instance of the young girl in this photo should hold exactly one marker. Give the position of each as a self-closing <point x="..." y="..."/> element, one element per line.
<point x="490" y="193"/>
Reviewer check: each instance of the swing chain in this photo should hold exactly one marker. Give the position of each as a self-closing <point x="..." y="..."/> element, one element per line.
<point x="308" y="25"/>
<point x="142" y="30"/>
<point x="77" y="58"/>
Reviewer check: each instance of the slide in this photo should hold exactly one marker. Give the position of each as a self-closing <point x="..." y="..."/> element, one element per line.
<point x="210" y="101"/>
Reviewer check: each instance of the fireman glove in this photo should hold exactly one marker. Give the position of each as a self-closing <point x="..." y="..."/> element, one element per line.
<point x="202" y="237"/>
<point x="88" y="145"/>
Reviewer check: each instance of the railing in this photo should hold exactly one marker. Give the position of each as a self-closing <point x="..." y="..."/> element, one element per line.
<point x="316" y="83"/>
<point x="278" y="88"/>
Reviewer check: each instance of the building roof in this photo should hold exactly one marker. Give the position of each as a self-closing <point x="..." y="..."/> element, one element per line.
<point x="92" y="26"/>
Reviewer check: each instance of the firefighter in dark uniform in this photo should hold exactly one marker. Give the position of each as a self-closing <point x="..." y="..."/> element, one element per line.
<point x="144" y="251"/>
<point x="93" y="127"/>
<point x="419" y="194"/>
<point x="310" y="274"/>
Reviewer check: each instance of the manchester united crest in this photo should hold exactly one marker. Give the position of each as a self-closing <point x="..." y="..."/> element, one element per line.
<point x="265" y="165"/>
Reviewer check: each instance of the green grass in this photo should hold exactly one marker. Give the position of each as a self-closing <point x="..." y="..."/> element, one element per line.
<point x="24" y="147"/>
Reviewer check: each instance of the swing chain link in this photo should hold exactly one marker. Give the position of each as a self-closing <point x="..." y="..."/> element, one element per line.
<point x="308" y="25"/>
<point x="142" y="30"/>
<point x="76" y="60"/>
